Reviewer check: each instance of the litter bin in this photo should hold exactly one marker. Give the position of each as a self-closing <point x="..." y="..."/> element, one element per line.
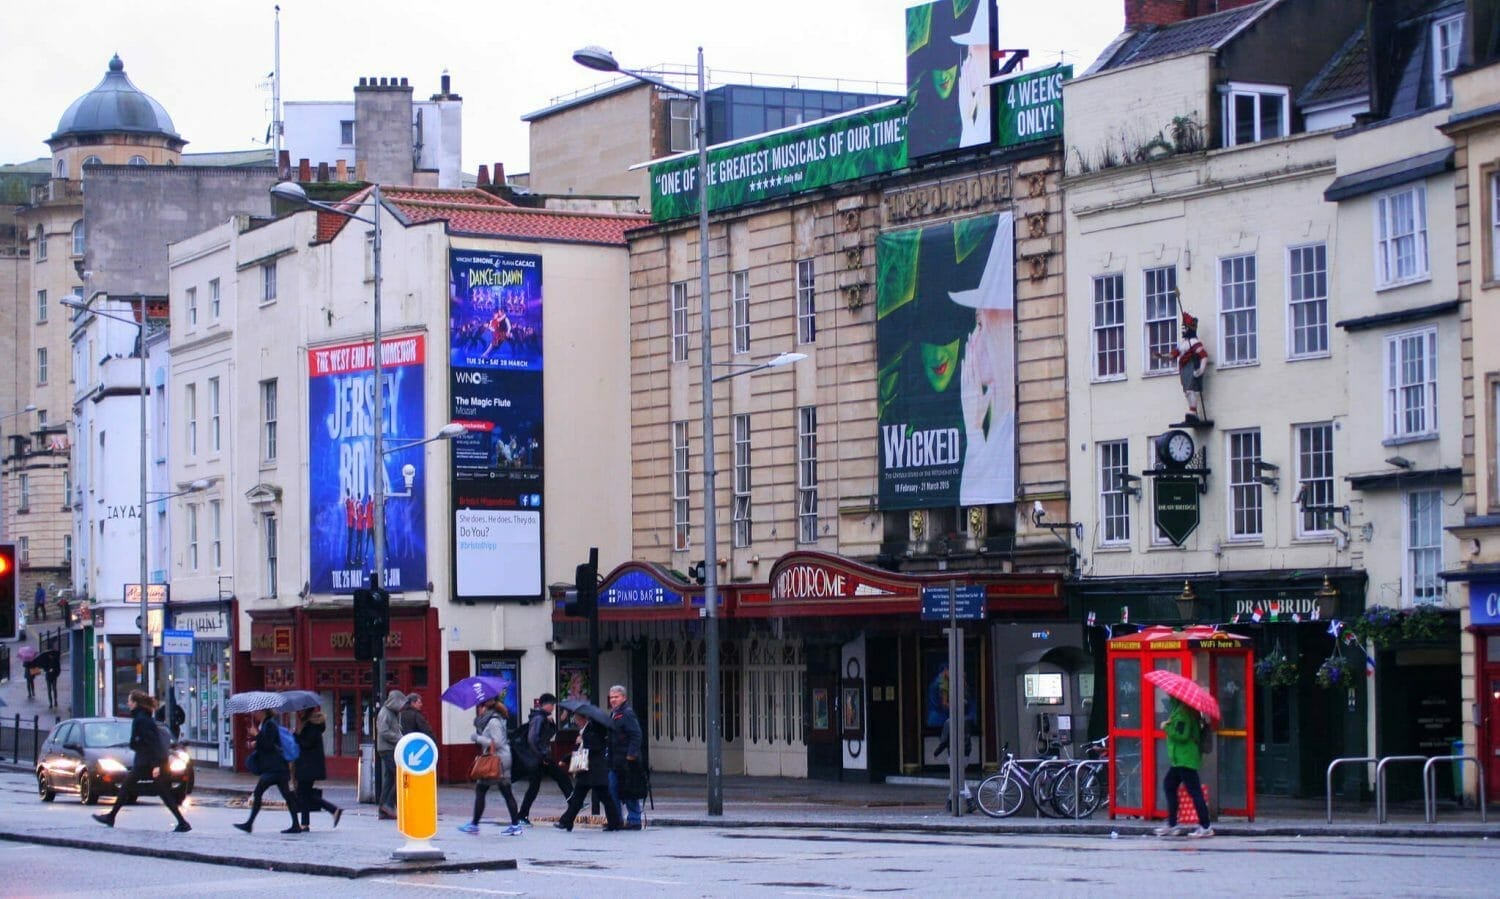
<point x="366" y="785"/>
<point x="1458" y="772"/>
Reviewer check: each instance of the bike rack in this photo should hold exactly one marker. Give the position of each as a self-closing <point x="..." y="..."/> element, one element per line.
<point x="1049" y="762"/>
<point x="1077" y="779"/>
<point x="1380" y="809"/>
<point x="1328" y="778"/>
<point x="1429" y="785"/>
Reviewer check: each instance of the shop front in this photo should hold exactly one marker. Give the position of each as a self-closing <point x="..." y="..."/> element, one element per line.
<point x="117" y="654"/>
<point x="200" y="682"/>
<point x="1484" y="625"/>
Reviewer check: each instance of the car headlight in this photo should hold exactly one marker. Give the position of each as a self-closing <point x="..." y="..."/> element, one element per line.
<point x="112" y="766"/>
<point x="178" y="763"/>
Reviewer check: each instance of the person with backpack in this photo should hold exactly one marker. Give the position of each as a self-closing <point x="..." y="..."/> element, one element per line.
<point x="269" y="760"/>
<point x="310" y="767"/>
<point x="490" y="734"/>
<point x="149" y="763"/>
<point x="536" y="747"/>
<point x="1184" y="730"/>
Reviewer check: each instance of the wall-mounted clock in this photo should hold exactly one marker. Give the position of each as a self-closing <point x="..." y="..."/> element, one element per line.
<point x="1175" y="449"/>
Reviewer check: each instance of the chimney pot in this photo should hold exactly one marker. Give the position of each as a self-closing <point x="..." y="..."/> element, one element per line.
<point x="304" y="170"/>
<point x="484" y="175"/>
<point x="499" y="173"/>
<point x="322" y="171"/>
<point x="341" y="170"/>
<point x="284" y="165"/>
<point x="403" y="82"/>
<point x="446" y="83"/>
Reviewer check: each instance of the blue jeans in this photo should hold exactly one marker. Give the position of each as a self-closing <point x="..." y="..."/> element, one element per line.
<point x="632" y="807"/>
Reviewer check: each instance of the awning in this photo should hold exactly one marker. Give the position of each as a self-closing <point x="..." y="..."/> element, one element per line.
<point x="1392" y="174"/>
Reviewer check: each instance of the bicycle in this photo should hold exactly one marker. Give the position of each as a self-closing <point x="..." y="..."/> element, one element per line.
<point x="1089" y="776"/>
<point x="1002" y="794"/>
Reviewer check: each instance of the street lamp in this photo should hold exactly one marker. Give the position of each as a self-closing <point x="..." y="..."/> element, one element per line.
<point x="601" y="60"/>
<point x="748" y="368"/>
<point x="76" y="302"/>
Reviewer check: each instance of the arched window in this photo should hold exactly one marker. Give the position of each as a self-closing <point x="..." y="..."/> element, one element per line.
<point x="138" y="160"/>
<point x="62" y="168"/>
<point x="92" y="160"/>
<point x="41" y="243"/>
<point x="78" y="238"/>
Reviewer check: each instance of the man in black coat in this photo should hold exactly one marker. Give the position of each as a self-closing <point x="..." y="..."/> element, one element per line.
<point x="540" y="732"/>
<point x="625" y="756"/>
<point x="149" y="764"/>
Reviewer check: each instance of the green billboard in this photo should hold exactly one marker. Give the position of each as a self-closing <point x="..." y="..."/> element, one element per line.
<point x="1031" y="105"/>
<point x="864" y="142"/>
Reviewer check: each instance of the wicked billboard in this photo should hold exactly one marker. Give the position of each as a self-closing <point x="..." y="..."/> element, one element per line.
<point x="949" y="65"/>
<point x="945" y="339"/>
<point x="495" y="365"/>
<point x="341" y="443"/>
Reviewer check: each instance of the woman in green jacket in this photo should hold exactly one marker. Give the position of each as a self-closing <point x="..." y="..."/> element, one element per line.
<point x="1183" y="728"/>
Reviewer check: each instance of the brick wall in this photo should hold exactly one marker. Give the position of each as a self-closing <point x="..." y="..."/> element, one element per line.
<point x="1139" y="13"/>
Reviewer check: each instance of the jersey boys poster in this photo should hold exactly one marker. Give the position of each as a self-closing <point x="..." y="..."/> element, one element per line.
<point x="945" y="340"/>
<point x="495" y="360"/>
<point x="341" y="445"/>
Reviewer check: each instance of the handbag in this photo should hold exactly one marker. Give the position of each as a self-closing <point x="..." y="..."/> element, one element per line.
<point x="485" y="767"/>
<point x="579" y="761"/>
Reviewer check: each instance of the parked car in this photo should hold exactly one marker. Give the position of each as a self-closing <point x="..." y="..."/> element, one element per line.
<point x="92" y="756"/>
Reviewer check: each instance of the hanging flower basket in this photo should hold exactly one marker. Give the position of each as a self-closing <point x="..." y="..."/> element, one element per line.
<point x="1276" y="670"/>
<point x="1423" y="623"/>
<point x="1380" y="625"/>
<point x="1334" y="673"/>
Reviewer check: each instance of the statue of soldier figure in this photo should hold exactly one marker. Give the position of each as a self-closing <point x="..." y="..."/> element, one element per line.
<point x="1192" y="362"/>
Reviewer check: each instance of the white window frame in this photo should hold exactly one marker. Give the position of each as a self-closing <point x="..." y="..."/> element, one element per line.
<point x="214" y="306"/>
<point x="41" y="366"/>
<point x="682" y="133"/>
<point x="1114" y="502"/>
<point x="139" y="160"/>
<point x="1258" y="93"/>
<point x="1246" y="498"/>
<point x="1312" y="449"/>
<point x="679" y="321"/>
<point x="1411" y="388"/>
<point x="23" y="491"/>
<point x="190" y="400"/>
<point x="191" y="297"/>
<point x="23" y="549"/>
<point x="215" y="432"/>
<point x="1108" y="346"/>
<point x="216" y="533"/>
<point x="346" y="132"/>
<point x="739" y="302"/>
<point x="1307" y="301"/>
<point x="67" y="549"/>
<point x="741" y="516"/>
<point x="80" y="238"/>
<point x="41" y="243"/>
<point x="807" y="474"/>
<point x="268" y="282"/>
<point x="41" y="307"/>
<point x="1391" y="236"/>
<point x="1159" y="319"/>
<point x="1494" y="212"/>
<point x="192" y="536"/>
<point x="807" y="303"/>
<point x="1422" y="542"/>
<point x="1447" y="45"/>
<point x="1239" y="311"/>
<point x="268" y="402"/>
<point x="681" y="488"/>
<point x="272" y="536"/>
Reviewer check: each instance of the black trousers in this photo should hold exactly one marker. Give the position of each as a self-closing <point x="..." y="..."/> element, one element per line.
<point x="601" y="793"/>
<point x="130" y="789"/>
<point x="282" y="781"/>
<point x="1187" y="777"/>
<point x="481" y="788"/>
<point x="309" y="799"/>
<point x="557" y="775"/>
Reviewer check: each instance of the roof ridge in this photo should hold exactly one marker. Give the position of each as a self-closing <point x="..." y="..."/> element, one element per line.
<point x="511" y="209"/>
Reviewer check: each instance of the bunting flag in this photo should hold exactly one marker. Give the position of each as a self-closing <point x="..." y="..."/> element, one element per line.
<point x="1093" y="618"/>
<point x="1125" y="614"/>
<point x="1296" y="618"/>
<point x="1316" y="614"/>
<point x="1334" y="627"/>
<point x="1235" y="619"/>
<point x="1108" y="632"/>
<point x="1349" y="637"/>
<point x="1256" y="615"/>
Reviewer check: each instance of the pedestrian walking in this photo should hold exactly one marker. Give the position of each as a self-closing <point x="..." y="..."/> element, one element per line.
<point x="627" y="774"/>
<point x="149" y="763"/>
<point x="39" y="600"/>
<point x="270" y="763"/>
<point x="387" y="733"/>
<point x="31" y="673"/>
<point x="1183" y="729"/>
<point x="489" y="733"/>
<point x="540" y="732"/>
<point x="310" y="767"/>
<point x="595" y="738"/>
<point x="51" y="673"/>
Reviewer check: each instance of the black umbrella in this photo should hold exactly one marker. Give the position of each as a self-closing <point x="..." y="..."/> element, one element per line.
<point x="587" y="710"/>
<point x="50" y="660"/>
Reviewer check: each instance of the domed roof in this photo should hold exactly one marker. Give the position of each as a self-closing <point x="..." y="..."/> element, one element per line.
<point x="115" y="105"/>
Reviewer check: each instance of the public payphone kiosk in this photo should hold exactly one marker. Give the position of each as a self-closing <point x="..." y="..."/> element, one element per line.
<point x="1220" y="662"/>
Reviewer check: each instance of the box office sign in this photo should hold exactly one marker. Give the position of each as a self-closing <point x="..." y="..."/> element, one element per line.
<point x="1177" y="512"/>
<point x="333" y="640"/>
<point x="866" y="142"/>
<point x="270" y="642"/>
<point x="1031" y="105"/>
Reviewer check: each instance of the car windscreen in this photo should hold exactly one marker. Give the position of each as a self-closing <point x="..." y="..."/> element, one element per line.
<point x="99" y="734"/>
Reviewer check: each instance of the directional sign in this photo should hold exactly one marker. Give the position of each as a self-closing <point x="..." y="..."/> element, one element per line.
<point x="176" y="643"/>
<point x="968" y="603"/>
<point x="1177" y="508"/>
<point x="416" y="785"/>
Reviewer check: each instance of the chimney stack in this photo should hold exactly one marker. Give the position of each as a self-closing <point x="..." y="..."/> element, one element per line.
<point x="484" y="176"/>
<point x="304" y="170"/>
<point x="284" y="165"/>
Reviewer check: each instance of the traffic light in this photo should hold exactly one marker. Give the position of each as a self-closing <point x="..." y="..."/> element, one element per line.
<point x="372" y="622"/>
<point x="585" y="603"/>
<point x="8" y="598"/>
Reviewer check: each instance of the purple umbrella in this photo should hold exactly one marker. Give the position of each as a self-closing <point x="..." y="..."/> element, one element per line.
<point x="26" y="653"/>
<point x="471" y="691"/>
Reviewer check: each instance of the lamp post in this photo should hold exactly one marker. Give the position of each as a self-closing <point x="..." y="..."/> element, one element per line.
<point x="73" y="301"/>
<point x="601" y="60"/>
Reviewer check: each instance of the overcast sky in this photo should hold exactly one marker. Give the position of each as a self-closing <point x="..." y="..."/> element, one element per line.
<point x="208" y="63"/>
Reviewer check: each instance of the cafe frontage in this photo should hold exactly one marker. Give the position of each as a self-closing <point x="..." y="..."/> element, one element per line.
<point x="830" y="672"/>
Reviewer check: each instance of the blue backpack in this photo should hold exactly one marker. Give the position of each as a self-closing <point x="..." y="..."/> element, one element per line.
<point x="289" y="748"/>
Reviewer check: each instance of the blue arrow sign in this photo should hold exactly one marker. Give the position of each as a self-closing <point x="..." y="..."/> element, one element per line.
<point x="416" y="753"/>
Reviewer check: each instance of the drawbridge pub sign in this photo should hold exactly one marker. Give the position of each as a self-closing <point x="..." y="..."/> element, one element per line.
<point x="1177" y="513"/>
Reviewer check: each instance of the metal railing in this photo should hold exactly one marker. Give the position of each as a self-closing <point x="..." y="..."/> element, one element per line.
<point x="1429" y="785"/>
<point x="1328" y="778"/>
<point x="16" y="739"/>
<point x="1381" y="812"/>
<point x="1077" y="788"/>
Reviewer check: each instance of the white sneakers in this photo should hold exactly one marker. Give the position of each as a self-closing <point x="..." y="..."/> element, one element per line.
<point x="1195" y="833"/>
<point x="1200" y="832"/>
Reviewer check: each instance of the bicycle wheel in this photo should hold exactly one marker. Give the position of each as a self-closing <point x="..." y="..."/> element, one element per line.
<point x="1093" y="790"/>
<point x="1062" y="795"/>
<point x="1001" y="795"/>
<point x="1044" y="786"/>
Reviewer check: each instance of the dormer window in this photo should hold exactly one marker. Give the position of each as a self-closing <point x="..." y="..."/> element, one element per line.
<point x="1447" y="34"/>
<point x="1254" y="112"/>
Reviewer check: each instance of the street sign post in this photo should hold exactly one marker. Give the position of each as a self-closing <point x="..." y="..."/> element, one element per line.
<point x="968" y="603"/>
<point x="416" y="797"/>
<point x="176" y="643"/>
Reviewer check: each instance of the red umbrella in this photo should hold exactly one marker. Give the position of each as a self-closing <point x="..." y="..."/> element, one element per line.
<point x="1186" y="690"/>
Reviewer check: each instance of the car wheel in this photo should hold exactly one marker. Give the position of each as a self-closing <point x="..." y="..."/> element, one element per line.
<point x="43" y="789"/>
<point x="87" y="794"/>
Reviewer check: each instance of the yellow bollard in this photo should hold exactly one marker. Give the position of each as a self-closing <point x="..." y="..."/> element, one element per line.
<point x="416" y="798"/>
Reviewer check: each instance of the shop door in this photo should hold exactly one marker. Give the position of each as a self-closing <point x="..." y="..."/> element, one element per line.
<point x="883" y="718"/>
<point x="1276" y="725"/>
<point x="1491" y="757"/>
<point x="824" y="755"/>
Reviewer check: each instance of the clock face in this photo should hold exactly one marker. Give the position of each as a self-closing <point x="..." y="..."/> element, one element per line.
<point x="1179" y="447"/>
